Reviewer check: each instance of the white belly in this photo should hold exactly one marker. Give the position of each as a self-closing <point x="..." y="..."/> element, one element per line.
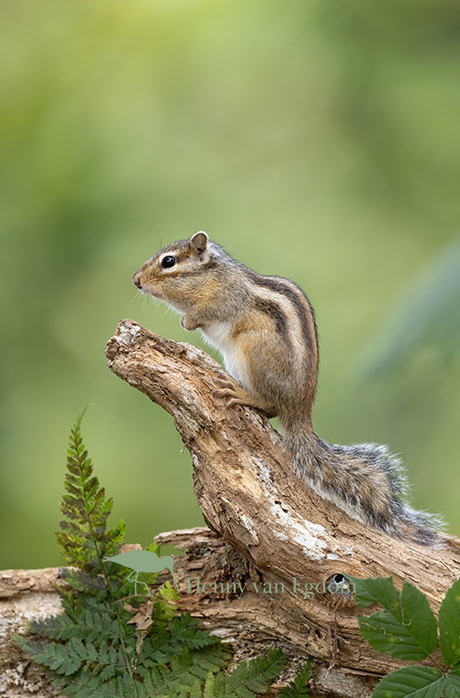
<point x="218" y="335"/>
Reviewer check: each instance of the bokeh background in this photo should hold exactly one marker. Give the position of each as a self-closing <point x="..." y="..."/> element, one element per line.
<point x="313" y="139"/>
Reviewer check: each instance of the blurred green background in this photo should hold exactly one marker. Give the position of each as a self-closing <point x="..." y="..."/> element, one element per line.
<point x="313" y="139"/>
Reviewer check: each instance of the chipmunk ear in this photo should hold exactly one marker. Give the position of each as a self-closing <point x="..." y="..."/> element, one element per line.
<point x="199" y="241"/>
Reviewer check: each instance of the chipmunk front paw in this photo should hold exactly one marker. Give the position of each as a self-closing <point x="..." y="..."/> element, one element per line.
<point x="233" y="393"/>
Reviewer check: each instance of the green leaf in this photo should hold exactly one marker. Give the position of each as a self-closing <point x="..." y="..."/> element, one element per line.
<point x="406" y="629"/>
<point x="87" y="625"/>
<point x="249" y="679"/>
<point x="418" y="618"/>
<point x="414" y="681"/>
<point x="449" y="625"/>
<point x="213" y="687"/>
<point x="84" y="539"/>
<point x="61" y="659"/>
<point x="165" y="602"/>
<point x="452" y="687"/>
<point x="379" y="590"/>
<point x="388" y="636"/>
<point x="181" y="673"/>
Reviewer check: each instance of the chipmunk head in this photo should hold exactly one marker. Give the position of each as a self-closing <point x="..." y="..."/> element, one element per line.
<point x="176" y="272"/>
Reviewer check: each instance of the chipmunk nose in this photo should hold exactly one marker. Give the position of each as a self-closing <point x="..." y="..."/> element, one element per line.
<point x="137" y="280"/>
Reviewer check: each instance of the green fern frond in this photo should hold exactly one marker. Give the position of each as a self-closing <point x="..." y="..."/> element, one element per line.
<point x="87" y="626"/>
<point x="246" y="681"/>
<point x="250" y="679"/>
<point x="165" y="602"/>
<point x="83" y="589"/>
<point x="298" y="687"/>
<point x="75" y="656"/>
<point x="185" y="632"/>
<point x="89" y="686"/>
<point x="164" y="643"/>
<point x="181" y="673"/>
<point x="84" y="539"/>
<point x="214" y="686"/>
<point x="61" y="659"/>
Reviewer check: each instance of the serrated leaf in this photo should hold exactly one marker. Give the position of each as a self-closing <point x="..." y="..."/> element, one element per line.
<point x="414" y="681"/>
<point x="211" y="689"/>
<point x="418" y="618"/>
<point x="449" y="625"/>
<point x="84" y="539"/>
<point x="91" y="642"/>
<point x="379" y="590"/>
<point x="406" y="629"/>
<point x="452" y="685"/>
<point x="389" y="636"/>
<point x="249" y="679"/>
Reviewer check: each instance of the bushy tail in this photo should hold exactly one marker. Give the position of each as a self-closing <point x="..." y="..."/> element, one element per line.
<point x="367" y="482"/>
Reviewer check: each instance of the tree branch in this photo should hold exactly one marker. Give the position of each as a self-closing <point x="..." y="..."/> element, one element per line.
<point x="288" y="534"/>
<point x="258" y="578"/>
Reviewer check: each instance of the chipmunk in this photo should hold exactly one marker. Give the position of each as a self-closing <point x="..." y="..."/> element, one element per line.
<point x="265" y="329"/>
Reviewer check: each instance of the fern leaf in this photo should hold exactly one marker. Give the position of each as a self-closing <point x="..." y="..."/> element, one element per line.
<point x="87" y="626"/>
<point x="183" y="673"/>
<point x="214" y="686"/>
<point x="166" y="642"/>
<point x="88" y="686"/>
<point x="80" y="581"/>
<point x="253" y="678"/>
<point x="84" y="539"/>
<point x="61" y="659"/>
<point x="185" y="632"/>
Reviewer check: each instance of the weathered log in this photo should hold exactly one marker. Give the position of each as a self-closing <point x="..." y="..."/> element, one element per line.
<point x="259" y="577"/>
<point x="25" y="595"/>
<point x="238" y="619"/>
<point x="289" y="535"/>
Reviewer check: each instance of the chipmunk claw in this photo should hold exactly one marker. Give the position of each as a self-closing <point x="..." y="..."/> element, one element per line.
<point x="225" y="384"/>
<point x="228" y="389"/>
<point x="234" y="394"/>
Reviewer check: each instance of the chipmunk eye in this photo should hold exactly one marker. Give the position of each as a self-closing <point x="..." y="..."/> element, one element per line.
<point x="168" y="261"/>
